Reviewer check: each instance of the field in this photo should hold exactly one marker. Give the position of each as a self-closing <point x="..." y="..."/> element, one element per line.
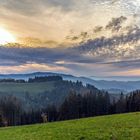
<point x="26" y="87"/>
<point x="115" y="127"/>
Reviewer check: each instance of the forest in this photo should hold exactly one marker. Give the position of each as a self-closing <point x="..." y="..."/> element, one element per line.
<point x="79" y="102"/>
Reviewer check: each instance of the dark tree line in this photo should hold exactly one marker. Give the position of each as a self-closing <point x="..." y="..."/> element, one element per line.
<point x="73" y="107"/>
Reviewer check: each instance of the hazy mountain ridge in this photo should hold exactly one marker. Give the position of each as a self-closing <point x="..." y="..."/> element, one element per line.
<point x="122" y="86"/>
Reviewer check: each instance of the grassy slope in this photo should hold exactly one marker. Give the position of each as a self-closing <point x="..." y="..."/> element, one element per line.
<point x="116" y="127"/>
<point x="26" y="87"/>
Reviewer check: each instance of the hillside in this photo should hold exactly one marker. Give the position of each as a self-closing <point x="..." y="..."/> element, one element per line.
<point x="40" y="94"/>
<point x="125" y="86"/>
<point x="32" y="88"/>
<point x="113" y="127"/>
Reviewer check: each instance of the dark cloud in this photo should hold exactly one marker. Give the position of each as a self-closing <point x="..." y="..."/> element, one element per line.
<point x="97" y="29"/>
<point x="115" y="24"/>
<point x="131" y="37"/>
<point x="82" y="36"/>
<point x="21" y="56"/>
<point x="14" y="56"/>
<point x="129" y="64"/>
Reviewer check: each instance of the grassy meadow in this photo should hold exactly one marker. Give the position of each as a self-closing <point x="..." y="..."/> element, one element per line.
<point x="32" y="88"/>
<point x="113" y="127"/>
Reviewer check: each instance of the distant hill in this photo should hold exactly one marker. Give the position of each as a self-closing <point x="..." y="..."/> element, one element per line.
<point x="111" y="86"/>
<point x="40" y="94"/>
<point x="113" y="127"/>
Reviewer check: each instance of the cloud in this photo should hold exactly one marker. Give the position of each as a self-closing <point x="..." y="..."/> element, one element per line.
<point x="131" y="37"/>
<point x="129" y="64"/>
<point x="101" y="50"/>
<point x="63" y="4"/>
<point x="27" y="68"/>
<point x="20" y="56"/>
<point x="98" y="29"/>
<point x="103" y="54"/>
<point x="115" y="24"/>
<point x="24" y="7"/>
<point x="35" y="7"/>
<point x="38" y="18"/>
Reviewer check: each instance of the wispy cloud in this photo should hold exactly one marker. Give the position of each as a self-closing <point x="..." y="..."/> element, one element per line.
<point x="105" y="34"/>
<point x="54" y="19"/>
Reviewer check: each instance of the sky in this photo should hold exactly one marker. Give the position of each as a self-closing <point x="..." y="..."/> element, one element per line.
<point x="80" y="37"/>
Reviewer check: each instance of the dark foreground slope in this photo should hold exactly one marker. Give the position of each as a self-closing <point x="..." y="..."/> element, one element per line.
<point x="115" y="127"/>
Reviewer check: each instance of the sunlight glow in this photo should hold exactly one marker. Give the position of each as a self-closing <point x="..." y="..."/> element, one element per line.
<point x="6" y="37"/>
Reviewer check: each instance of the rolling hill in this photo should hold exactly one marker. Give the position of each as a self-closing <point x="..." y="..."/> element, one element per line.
<point x="113" y="86"/>
<point x="41" y="94"/>
<point x="113" y="127"/>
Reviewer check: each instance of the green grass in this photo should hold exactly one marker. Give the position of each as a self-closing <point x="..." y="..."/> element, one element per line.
<point x="115" y="127"/>
<point x="26" y="87"/>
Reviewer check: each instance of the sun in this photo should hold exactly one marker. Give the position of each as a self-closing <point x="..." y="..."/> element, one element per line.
<point x="6" y="37"/>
